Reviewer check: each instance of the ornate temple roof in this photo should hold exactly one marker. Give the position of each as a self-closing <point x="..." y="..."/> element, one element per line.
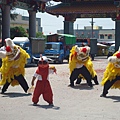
<point x="83" y="0"/>
<point x="99" y="9"/>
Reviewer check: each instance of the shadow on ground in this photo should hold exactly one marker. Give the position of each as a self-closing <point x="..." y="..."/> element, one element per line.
<point x="115" y="98"/>
<point x="46" y="106"/>
<point x="83" y="86"/>
<point x="13" y="94"/>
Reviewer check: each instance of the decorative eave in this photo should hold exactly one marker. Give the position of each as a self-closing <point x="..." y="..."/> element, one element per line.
<point x="35" y="5"/>
<point x="69" y="1"/>
<point x="85" y="9"/>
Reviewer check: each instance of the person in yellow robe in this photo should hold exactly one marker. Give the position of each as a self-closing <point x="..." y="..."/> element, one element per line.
<point x="81" y="66"/>
<point x="12" y="70"/>
<point x="111" y="78"/>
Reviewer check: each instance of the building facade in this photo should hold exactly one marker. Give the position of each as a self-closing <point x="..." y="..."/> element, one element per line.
<point x="24" y="22"/>
<point x="102" y="35"/>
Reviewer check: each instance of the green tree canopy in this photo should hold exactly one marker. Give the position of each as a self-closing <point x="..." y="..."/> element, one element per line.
<point x="40" y="34"/>
<point x="18" y="32"/>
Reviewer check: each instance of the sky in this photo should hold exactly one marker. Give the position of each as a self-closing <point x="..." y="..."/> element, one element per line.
<point x="52" y="23"/>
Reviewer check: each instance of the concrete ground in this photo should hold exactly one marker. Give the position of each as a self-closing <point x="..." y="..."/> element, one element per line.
<point x="78" y="103"/>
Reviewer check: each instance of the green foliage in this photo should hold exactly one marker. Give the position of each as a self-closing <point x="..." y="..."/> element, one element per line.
<point x="18" y="32"/>
<point x="40" y="34"/>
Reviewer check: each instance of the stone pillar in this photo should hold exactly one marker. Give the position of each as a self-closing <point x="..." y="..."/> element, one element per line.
<point x="117" y="29"/>
<point x="69" y="24"/>
<point x="117" y="34"/>
<point x="32" y="23"/>
<point x="5" y="22"/>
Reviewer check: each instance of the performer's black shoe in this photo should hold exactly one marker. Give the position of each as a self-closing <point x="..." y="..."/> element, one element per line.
<point x="90" y="85"/>
<point x="103" y="95"/>
<point x="34" y="104"/>
<point x="3" y="91"/>
<point x="51" y="104"/>
<point x="71" y="85"/>
<point x="95" y="80"/>
<point x="78" y="81"/>
<point x="97" y="83"/>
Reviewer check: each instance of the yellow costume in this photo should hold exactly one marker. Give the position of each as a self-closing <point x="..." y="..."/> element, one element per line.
<point x="14" y="67"/>
<point x="112" y="70"/>
<point x="14" y="59"/>
<point x="86" y="61"/>
<point x="111" y="78"/>
<point x="79" y="56"/>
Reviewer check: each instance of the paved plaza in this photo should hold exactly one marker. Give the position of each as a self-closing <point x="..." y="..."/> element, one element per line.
<point x="78" y="103"/>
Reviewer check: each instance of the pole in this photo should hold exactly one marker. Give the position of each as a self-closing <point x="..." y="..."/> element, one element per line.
<point x="92" y="27"/>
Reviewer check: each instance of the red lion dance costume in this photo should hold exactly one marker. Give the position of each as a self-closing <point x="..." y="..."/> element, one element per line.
<point x="81" y="66"/>
<point x="43" y="85"/>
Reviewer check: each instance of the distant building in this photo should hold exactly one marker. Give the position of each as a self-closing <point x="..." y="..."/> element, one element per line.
<point x="94" y="27"/>
<point x="102" y="35"/>
<point x="106" y="35"/>
<point x="24" y="22"/>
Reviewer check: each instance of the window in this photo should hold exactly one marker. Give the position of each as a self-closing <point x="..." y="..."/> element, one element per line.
<point x="110" y="36"/>
<point x="48" y="46"/>
<point x="101" y="36"/>
<point x="61" y="47"/>
<point x="52" y="46"/>
<point x="55" y="46"/>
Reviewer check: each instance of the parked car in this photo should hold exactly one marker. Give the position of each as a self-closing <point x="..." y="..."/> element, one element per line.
<point x="111" y="50"/>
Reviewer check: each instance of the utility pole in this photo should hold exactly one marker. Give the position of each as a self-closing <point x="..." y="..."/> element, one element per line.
<point x="92" y="27"/>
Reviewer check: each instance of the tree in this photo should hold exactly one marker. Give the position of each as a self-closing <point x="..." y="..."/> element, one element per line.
<point x="40" y="34"/>
<point x="18" y="32"/>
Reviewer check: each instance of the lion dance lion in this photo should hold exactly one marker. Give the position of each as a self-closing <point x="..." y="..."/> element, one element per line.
<point x="81" y="66"/>
<point x="12" y="70"/>
<point x="111" y="77"/>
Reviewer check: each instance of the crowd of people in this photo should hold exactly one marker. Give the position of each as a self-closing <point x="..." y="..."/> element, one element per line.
<point x="81" y="68"/>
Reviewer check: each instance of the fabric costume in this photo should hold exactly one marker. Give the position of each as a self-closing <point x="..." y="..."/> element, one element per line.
<point x="81" y="66"/>
<point x="43" y="85"/>
<point x="111" y="78"/>
<point x="12" y="70"/>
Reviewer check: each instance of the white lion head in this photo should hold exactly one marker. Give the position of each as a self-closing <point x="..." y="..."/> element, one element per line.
<point x="82" y="52"/>
<point x="11" y="50"/>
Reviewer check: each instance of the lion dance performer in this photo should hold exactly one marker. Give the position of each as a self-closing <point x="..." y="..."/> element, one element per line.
<point x="111" y="78"/>
<point x="12" y="70"/>
<point x="43" y="86"/>
<point x="81" y="66"/>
